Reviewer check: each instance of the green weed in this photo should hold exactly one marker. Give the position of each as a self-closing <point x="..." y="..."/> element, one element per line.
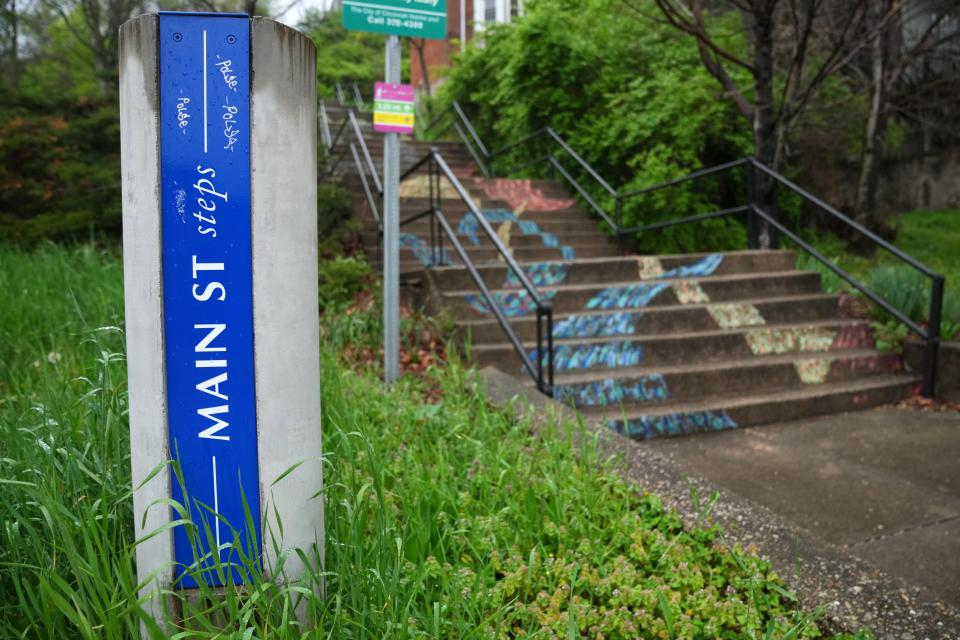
<point x="444" y="517"/>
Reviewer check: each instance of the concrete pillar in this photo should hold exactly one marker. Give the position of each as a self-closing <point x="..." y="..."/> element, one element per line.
<point x="218" y="142"/>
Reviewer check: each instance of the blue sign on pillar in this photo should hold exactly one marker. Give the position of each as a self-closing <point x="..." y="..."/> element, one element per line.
<point x="207" y="287"/>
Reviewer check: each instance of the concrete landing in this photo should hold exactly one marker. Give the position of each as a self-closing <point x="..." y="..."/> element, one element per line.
<point x="884" y="484"/>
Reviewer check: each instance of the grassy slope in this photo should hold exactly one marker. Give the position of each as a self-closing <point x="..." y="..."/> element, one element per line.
<point x="443" y="520"/>
<point x="931" y="237"/>
<point x="934" y="238"/>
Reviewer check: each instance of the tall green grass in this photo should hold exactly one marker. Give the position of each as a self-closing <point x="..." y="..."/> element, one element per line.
<point x="446" y="519"/>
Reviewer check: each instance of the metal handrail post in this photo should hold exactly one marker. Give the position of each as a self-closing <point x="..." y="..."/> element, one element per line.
<point x="932" y="351"/>
<point x="357" y="98"/>
<point x="439" y="196"/>
<point x="548" y="306"/>
<point x="753" y="234"/>
<point x="366" y="152"/>
<point x="433" y="216"/>
<point x="473" y="132"/>
<point x="619" y="229"/>
<point x="325" y="126"/>
<point x="540" y="353"/>
<point x="476" y="157"/>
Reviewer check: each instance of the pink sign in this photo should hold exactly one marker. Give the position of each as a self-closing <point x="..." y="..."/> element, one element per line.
<point x="393" y="107"/>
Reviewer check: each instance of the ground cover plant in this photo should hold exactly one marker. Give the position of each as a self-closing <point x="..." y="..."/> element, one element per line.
<point x="445" y="517"/>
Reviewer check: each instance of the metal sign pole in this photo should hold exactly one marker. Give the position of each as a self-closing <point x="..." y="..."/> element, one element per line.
<point x="391" y="228"/>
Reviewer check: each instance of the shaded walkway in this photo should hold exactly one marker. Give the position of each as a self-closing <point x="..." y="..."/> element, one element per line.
<point x="884" y="484"/>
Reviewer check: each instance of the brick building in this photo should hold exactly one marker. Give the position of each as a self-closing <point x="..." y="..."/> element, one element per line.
<point x="469" y="17"/>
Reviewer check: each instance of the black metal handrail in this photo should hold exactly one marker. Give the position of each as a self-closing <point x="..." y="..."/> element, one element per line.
<point x="351" y="126"/>
<point x="459" y="122"/>
<point x="542" y="371"/>
<point x="353" y="91"/>
<point x="757" y="216"/>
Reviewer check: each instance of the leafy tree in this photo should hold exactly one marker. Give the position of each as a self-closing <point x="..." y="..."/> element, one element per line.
<point x="344" y="55"/>
<point x="896" y="58"/>
<point x="792" y="49"/>
<point x="631" y="97"/>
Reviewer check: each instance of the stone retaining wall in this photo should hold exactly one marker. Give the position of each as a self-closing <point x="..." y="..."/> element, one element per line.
<point x="948" y="374"/>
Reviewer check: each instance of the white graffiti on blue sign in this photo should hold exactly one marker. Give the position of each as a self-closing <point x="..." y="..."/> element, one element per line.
<point x="208" y="291"/>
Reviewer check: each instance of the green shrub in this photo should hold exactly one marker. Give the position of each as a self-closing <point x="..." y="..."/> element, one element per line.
<point x="445" y="517"/>
<point x="59" y="171"/>
<point x="829" y="280"/>
<point x="905" y="288"/>
<point x="630" y="95"/>
<point x="341" y="279"/>
<point x="333" y="205"/>
<point x="950" y="324"/>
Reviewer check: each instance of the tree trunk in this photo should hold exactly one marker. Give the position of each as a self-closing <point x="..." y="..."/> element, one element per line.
<point x="422" y="62"/>
<point x="764" y="117"/>
<point x="874" y="129"/>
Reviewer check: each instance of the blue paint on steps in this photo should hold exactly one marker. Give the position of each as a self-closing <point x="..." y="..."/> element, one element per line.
<point x="703" y="267"/>
<point x="421" y="250"/>
<point x="626" y="297"/>
<point x="608" y="354"/>
<point x="610" y="391"/>
<point x="595" y="326"/>
<point x="674" y="424"/>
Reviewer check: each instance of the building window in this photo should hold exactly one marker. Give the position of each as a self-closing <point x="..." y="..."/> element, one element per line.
<point x="489" y="11"/>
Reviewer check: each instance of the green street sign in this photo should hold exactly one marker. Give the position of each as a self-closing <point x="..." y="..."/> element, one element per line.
<point x="416" y="18"/>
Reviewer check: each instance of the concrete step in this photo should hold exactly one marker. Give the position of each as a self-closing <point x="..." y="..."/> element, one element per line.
<point x="652" y="386"/>
<point x="549" y="188"/>
<point x="487" y="254"/>
<point x="515" y="239"/>
<point x="718" y="413"/>
<point x="579" y="224"/>
<point x="687" y="347"/>
<point x="454" y="209"/>
<point x="625" y="268"/>
<point x="653" y="320"/>
<point x="627" y="295"/>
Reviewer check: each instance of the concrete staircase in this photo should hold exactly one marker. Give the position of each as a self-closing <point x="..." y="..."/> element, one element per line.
<point x="654" y="345"/>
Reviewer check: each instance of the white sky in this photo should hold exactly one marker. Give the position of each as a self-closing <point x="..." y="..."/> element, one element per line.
<point x="292" y="17"/>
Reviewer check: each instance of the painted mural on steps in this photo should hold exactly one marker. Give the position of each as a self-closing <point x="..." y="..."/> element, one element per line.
<point x="673" y="424"/>
<point x="516" y="301"/>
<point x="610" y="391"/>
<point x="516" y="194"/>
<point x="653" y="388"/>
<point x="520" y="194"/>
<point x="421" y="250"/>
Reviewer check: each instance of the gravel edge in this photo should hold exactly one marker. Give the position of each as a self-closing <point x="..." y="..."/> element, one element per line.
<point x="854" y="593"/>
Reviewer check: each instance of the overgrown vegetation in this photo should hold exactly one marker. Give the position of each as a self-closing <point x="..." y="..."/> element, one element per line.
<point x="445" y="517"/>
<point x="344" y="56"/>
<point x="927" y="236"/>
<point x="651" y="115"/>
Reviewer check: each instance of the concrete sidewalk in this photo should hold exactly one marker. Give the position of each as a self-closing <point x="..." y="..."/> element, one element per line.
<point x="884" y="484"/>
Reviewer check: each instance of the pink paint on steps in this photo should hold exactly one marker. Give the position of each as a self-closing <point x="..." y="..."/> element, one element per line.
<point x="520" y="193"/>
